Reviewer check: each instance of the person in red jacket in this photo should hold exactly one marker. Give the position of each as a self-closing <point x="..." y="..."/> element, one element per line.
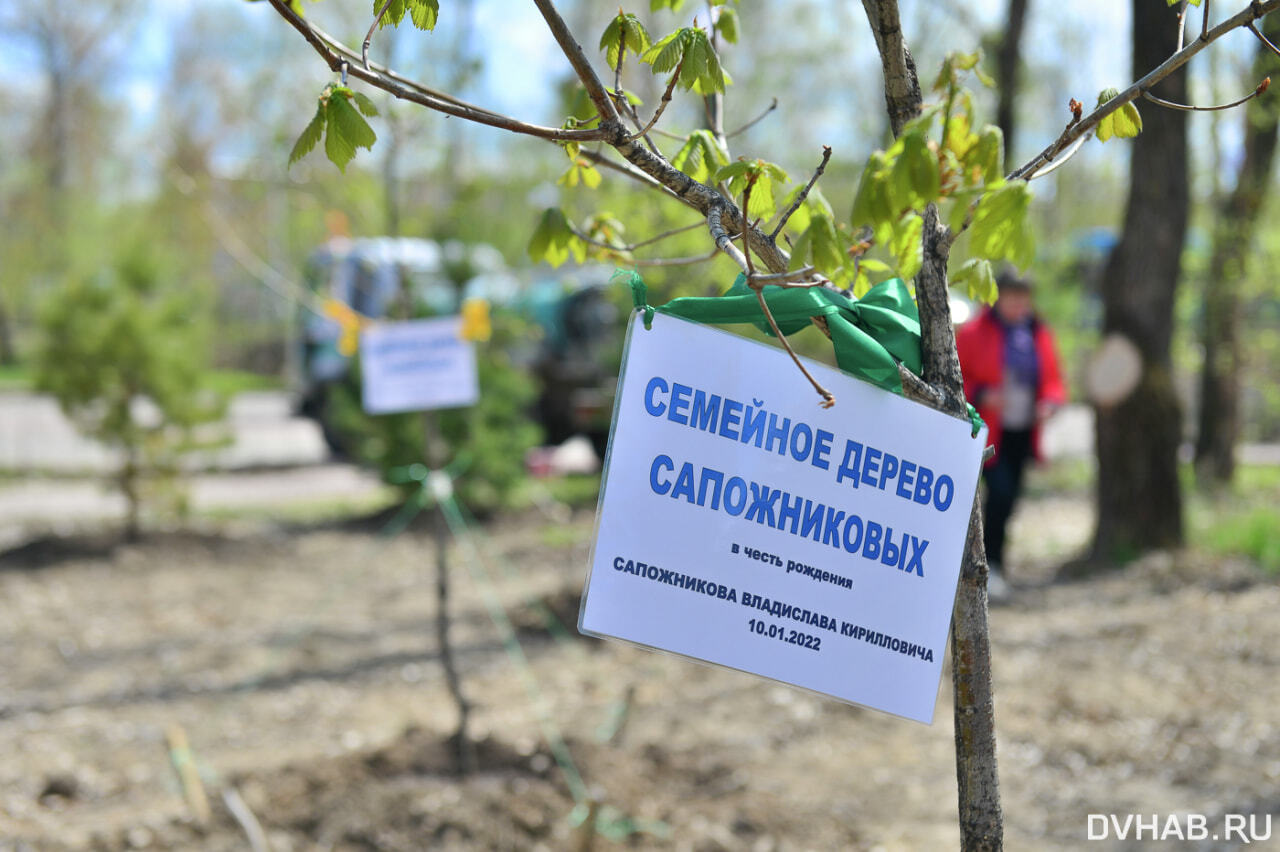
<point x="1011" y="375"/>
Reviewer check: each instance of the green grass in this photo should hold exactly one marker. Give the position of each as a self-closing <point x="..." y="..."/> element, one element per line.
<point x="1243" y="520"/>
<point x="231" y="382"/>
<point x="15" y="377"/>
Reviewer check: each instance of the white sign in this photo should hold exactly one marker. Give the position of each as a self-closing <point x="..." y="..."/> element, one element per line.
<point x="416" y="365"/>
<point x="742" y="524"/>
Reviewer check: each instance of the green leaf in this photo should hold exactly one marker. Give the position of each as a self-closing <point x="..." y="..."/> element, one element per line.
<point x="1000" y="229"/>
<point x="978" y="280"/>
<point x="673" y="5"/>
<point x="665" y="54"/>
<point x="827" y="251"/>
<point x="580" y="172"/>
<point x="624" y="32"/>
<point x="700" y="155"/>
<point x="871" y="205"/>
<point x="916" y="171"/>
<point x="727" y="25"/>
<point x="424" y="13"/>
<point x="309" y="137"/>
<point x="733" y="171"/>
<point x="365" y="104"/>
<point x="346" y="129"/>
<point x="554" y="241"/>
<point x="690" y="48"/>
<point x="988" y="155"/>
<point x="905" y="244"/>
<point x="1124" y="123"/>
<point x="394" y="14"/>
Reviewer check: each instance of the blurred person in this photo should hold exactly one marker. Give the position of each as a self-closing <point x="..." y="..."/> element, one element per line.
<point x="1011" y="375"/>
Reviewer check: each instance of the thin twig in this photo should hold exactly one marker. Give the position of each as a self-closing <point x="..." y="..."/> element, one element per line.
<point x="1266" y="41"/>
<point x="1053" y="166"/>
<point x="662" y="104"/>
<point x="828" y="399"/>
<point x="773" y="104"/>
<point x="758" y="286"/>
<point x="335" y="61"/>
<point x="1262" y="87"/>
<point x="665" y="234"/>
<point x="1204" y="21"/>
<point x="1182" y="23"/>
<point x="678" y="261"/>
<point x="785" y="277"/>
<point x="368" y="37"/>
<point x="804" y="193"/>
<point x="1255" y="10"/>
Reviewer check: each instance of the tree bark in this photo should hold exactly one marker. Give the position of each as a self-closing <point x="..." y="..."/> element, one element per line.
<point x="1008" y="58"/>
<point x="977" y="773"/>
<point x="1235" y="225"/>
<point x="1139" y="498"/>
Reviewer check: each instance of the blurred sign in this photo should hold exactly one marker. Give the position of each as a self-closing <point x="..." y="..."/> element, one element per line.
<point x="742" y="524"/>
<point x="417" y="365"/>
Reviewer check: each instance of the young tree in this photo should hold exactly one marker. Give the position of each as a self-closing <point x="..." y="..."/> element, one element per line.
<point x="124" y="358"/>
<point x="939" y="182"/>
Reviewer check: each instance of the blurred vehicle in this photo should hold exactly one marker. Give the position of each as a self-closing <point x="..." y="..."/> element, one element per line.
<point x="575" y="356"/>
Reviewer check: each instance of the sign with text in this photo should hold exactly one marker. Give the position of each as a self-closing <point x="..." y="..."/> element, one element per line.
<point x="743" y="525"/>
<point x="415" y="365"/>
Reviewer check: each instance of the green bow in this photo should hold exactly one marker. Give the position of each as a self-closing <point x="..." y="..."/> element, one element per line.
<point x="870" y="335"/>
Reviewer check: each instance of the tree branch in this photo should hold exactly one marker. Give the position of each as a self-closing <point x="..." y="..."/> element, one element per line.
<point x="335" y="60"/>
<point x="773" y="104"/>
<point x="901" y="85"/>
<point x="1261" y="87"/>
<point x="662" y="104"/>
<point x="804" y="193"/>
<point x="578" y="59"/>
<point x="1255" y="10"/>
<point x="368" y="37"/>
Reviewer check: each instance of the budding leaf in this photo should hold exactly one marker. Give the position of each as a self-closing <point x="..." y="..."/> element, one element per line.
<point x="310" y="136"/>
<point x="1124" y="123"/>
<point x="700" y="156"/>
<point x="673" y="5"/>
<point x="554" y="241"/>
<point x="691" y="50"/>
<point x="625" y="32"/>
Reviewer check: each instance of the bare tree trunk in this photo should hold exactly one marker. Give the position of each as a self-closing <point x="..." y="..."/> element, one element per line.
<point x="1008" y="58"/>
<point x="1139" y="495"/>
<point x="977" y="775"/>
<point x="1235" y="224"/>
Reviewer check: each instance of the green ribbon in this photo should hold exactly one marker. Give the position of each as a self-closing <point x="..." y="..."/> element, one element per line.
<point x="870" y="335"/>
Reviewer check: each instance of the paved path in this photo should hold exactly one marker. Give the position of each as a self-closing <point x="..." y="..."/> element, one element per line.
<point x="34" y="436"/>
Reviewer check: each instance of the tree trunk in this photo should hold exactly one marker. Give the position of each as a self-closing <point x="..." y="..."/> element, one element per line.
<point x="977" y="774"/>
<point x="1139" y="497"/>
<point x="1234" y="227"/>
<point x="1008" y="57"/>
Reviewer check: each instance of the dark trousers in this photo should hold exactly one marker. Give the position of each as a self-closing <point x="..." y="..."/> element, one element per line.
<point x="1004" y="483"/>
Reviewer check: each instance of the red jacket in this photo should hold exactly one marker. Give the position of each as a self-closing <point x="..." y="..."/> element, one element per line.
<point x="981" y="346"/>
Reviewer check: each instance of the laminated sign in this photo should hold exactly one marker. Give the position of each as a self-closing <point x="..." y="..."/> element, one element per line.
<point x="743" y="525"/>
<point x="416" y="365"/>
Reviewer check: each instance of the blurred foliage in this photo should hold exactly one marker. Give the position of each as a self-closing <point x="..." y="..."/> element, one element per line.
<point x="126" y="358"/>
<point x="485" y="443"/>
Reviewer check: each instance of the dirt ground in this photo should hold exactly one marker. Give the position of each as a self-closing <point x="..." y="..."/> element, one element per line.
<point x="302" y="665"/>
